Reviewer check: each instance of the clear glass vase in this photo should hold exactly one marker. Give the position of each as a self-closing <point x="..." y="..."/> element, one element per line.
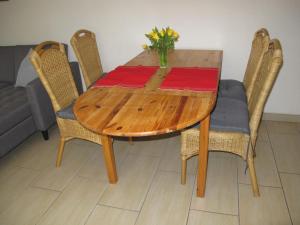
<point x="163" y="58"/>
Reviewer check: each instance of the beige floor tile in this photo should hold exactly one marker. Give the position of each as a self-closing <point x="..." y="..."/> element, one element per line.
<point x="74" y="158"/>
<point x="135" y="177"/>
<point x="95" y="168"/>
<point x="286" y="151"/>
<point x="6" y="167"/>
<point x="36" y="153"/>
<point x="151" y="146"/>
<point x="263" y="132"/>
<point x="28" y="207"/>
<point x="221" y="193"/>
<point x="13" y="185"/>
<point x="75" y="204"/>
<point x="112" y="216"/>
<point x="298" y="127"/>
<point x="269" y="208"/>
<point x="276" y="127"/>
<point x="228" y="155"/>
<point x="206" y="218"/>
<point x="167" y="201"/>
<point x="171" y="159"/>
<point x="291" y="187"/>
<point x="265" y="165"/>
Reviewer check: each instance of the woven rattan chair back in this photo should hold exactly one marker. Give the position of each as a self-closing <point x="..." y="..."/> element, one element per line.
<point x="271" y="64"/>
<point x="51" y="63"/>
<point x="259" y="47"/>
<point x="86" y="50"/>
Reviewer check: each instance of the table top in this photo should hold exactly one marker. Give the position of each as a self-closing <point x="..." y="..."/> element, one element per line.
<point x="118" y="111"/>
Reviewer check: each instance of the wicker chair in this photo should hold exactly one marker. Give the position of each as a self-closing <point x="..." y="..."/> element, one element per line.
<point x="260" y="45"/>
<point x="240" y="143"/>
<point x="237" y="89"/>
<point x="50" y="61"/>
<point x="85" y="47"/>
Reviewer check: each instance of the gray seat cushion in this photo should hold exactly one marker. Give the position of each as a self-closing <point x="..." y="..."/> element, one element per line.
<point x="67" y="113"/>
<point x="232" y="89"/>
<point x="14" y="107"/>
<point x="229" y="115"/>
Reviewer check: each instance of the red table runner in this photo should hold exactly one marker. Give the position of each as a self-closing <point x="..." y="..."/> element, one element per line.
<point x="127" y="76"/>
<point x="195" y="79"/>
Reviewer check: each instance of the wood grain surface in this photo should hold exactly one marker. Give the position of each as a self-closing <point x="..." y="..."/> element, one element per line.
<point x="147" y="111"/>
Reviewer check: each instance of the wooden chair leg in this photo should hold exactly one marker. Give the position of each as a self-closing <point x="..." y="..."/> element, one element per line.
<point x="183" y="171"/>
<point x="252" y="172"/>
<point x="60" y="152"/>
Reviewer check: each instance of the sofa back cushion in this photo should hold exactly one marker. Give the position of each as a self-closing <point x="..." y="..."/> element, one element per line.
<point x="26" y="72"/>
<point x="20" y="51"/>
<point x="7" y="64"/>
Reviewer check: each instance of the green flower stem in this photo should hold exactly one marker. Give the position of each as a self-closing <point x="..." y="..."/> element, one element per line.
<point x="163" y="57"/>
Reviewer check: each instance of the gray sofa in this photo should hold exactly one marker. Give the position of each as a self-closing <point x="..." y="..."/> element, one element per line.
<point x="23" y="110"/>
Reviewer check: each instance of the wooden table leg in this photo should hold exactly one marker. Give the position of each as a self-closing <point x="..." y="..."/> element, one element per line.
<point x="109" y="159"/>
<point x="203" y="156"/>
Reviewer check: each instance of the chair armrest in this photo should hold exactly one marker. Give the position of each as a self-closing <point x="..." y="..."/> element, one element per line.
<point x="77" y="76"/>
<point x="40" y="104"/>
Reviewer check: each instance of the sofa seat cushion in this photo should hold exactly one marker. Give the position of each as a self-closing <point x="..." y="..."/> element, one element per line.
<point x="67" y="113"/>
<point x="232" y="89"/>
<point x="229" y="115"/>
<point x="14" y="107"/>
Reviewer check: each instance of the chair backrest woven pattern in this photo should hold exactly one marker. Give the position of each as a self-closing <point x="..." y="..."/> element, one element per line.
<point x="271" y="64"/>
<point x="85" y="47"/>
<point x="260" y="45"/>
<point x="51" y="63"/>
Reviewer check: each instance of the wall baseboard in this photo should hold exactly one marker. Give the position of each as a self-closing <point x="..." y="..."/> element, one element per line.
<point x="281" y="117"/>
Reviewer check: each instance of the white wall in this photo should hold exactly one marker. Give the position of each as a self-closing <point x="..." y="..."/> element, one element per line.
<point x="207" y="24"/>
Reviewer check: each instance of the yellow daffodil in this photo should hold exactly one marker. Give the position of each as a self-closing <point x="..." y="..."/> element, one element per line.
<point x="170" y="32"/>
<point x="151" y="34"/>
<point x="161" y="40"/>
<point x="175" y="34"/>
<point x="155" y="36"/>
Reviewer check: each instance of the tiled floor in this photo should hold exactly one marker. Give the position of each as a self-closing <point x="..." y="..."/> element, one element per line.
<point x="33" y="191"/>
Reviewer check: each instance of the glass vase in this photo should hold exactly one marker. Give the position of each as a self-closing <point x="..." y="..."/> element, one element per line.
<point x="163" y="58"/>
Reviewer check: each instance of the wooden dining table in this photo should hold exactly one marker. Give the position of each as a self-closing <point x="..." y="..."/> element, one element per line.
<point x="138" y="112"/>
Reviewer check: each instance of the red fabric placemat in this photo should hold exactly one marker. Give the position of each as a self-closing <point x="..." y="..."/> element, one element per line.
<point x="194" y="79"/>
<point x="127" y="76"/>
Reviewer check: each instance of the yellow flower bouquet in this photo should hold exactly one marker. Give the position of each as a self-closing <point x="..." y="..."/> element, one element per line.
<point x="161" y="41"/>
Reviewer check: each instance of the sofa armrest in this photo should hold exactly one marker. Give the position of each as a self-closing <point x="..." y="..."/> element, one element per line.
<point x="40" y="104"/>
<point x="77" y="76"/>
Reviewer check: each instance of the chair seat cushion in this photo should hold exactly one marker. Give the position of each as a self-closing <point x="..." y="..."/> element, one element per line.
<point x="67" y="113"/>
<point x="229" y="115"/>
<point x="14" y="108"/>
<point x="232" y="89"/>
